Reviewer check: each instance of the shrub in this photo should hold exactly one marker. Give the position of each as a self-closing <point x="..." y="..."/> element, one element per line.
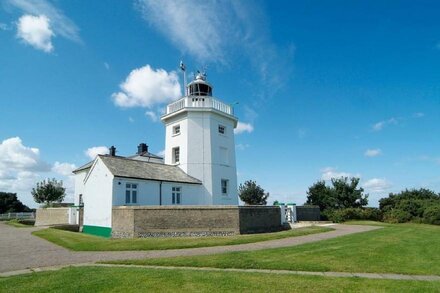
<point x="432" y="215"/>
<point x="343" y="215"/>
<point x="397" y="216"/>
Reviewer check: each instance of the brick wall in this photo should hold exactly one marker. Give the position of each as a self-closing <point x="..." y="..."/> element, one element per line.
<point x="160" y="221"/>
<point x="52" y="216"/>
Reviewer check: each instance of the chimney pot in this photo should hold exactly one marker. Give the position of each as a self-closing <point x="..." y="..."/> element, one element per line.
<point x="112" y="151"/>
<point x="142" y="148"/>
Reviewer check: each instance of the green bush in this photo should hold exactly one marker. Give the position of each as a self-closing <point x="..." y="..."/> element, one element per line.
<point x="397" y="216"/>
<point x="343" y="215"/>
<point x="432" y="215"/>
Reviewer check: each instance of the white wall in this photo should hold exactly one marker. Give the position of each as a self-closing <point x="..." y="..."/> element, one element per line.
<point x="200" y="152"/>
<point x="148" y="192"/>
<point x="79" y="185"/>
<point x="97" y="196"/>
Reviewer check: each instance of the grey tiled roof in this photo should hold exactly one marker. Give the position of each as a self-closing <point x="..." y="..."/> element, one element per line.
<point x="83" y="167"/>
<point x="123" y="167"/>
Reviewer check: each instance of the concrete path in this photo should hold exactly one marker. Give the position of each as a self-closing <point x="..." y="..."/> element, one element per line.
<point x="19" y="250"/>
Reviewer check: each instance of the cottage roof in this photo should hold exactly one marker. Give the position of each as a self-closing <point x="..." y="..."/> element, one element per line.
<point x="129" y="168"/>
<point x="83" y="167"/>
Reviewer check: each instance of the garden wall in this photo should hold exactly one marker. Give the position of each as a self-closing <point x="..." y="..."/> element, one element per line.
<point x="175" y="221"/>
<point x="308" y="213"/>
<point x="52" y="216"/>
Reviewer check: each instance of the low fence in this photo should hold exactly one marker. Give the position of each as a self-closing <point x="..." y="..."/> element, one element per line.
<point x="18" y="216"/>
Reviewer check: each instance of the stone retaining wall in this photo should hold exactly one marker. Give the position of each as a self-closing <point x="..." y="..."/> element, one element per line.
<point x="52" y="216"/>
<point x="177" y="221"/>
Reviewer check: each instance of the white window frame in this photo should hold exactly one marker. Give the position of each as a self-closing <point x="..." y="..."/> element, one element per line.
<point x="221" y="126"/>
<point x="224" y="188"/>
<point x="175" y="128"/>
<point x="131" y="193"/>
<point x="176" y="195"/>
<point x="176" y="159"/>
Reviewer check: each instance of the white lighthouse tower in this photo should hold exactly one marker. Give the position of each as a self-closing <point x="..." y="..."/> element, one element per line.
<point x="200" y="140"/>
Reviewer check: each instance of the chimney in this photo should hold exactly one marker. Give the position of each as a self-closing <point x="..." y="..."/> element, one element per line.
<point x="142" y="148"/>
<point x="112" y="151"/>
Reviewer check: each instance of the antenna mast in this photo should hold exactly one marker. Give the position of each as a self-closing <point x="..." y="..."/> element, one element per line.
<point x="183" y="68"/>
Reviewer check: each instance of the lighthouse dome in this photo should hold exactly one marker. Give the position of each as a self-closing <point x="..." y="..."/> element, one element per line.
<point x="199" y="86"/>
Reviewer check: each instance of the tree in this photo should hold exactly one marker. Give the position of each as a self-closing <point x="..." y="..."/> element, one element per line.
<point x="344" y="193"/>
<point x="252" y="194"/>
<point x="49" y="191"/>
<point x="9" y="203"/>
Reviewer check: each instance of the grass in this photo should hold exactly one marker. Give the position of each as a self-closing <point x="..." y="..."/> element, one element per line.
<point x="98" y="279"/>
<point x="84" y="242"/>
<point x="397" y="248"/>
<point x="18" y="224"/>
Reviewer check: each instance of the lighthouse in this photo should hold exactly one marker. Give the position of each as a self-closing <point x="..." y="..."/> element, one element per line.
<point x="199" y="139"/>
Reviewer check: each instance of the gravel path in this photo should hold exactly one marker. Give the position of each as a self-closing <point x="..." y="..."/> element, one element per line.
<point x="20" y="250"/>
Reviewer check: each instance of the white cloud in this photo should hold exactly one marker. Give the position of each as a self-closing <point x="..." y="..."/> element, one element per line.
<point x="94" y="151"/>
<point x="152" y="116"/>
<point x="14" y="156"/>
<point x="418" y="115"/>
<point x="329" y="172"/>
<point x="377" y="185"/>
<point x="161" y="153"/>
<point x="36" y="31"/>
<point x="60" y="24"/>
<point x="106" y="65"/>
<point x="64" y="169"/>
<point x="145" y="87"/>
<point x="218" y="31"/>
<point x="381" y="124"/>
<point x="373" y="153"/>
<point x="4" y="27"/>
<point x="130" y="119"/>
<point x="243" y="127"/>
<point x="21" y="167"/>
<point x="241" y="146"/>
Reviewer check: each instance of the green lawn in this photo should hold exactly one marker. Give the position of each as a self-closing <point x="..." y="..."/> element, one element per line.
<point x="98" y="279"/>
<point x="401" y="248"/>
<point x="17" y="224"/>
<point x="84" y="242"/>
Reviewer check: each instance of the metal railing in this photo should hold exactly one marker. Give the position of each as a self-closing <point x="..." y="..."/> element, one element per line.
<point x="200" y="102"/>
<point x="20" y="216"/>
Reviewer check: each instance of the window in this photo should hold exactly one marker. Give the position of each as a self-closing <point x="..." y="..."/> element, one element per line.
<point x="130" y="193"/>
<point x="225" y="186"/>
<point x="176" y="129"/>
<point x="176" y="155"/>
<point x="221" y="129"/>
<point x="176" y="195"/>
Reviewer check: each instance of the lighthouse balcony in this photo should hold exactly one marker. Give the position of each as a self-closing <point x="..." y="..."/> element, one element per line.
<point x="195" y="102"/>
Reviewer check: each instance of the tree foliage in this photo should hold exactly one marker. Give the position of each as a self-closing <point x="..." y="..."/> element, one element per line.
<point x="9" y="203"/>
<point x="343" y="193"/>
<point x="49" y="191"/>
<point x="252" y="194"/>
<point x="414" y="205"/>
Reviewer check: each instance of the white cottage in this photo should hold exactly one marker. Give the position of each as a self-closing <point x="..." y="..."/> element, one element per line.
<point x="198" y="168"/>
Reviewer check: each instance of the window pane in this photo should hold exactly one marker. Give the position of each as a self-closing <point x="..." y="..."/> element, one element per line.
<point x="174" y="199"/>
<point x="134" y="186"/>
<point x="178" y="198"/>
<point x="127" y="185"/>
<point x="134" y="196"/>
<point x="177" y="189"/>
<point x="127" y="196"/>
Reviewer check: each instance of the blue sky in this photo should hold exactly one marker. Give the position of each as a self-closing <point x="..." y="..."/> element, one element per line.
<point x="325" y="88"/>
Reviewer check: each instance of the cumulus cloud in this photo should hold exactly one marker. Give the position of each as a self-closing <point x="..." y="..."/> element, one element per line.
<point x="243" y="127"/>
<point x="61" y="24"/>
<point x="35" y="31"/>
<point x="329" y="172"/>
<point x="94" y="151"/>
<point x="145" y="87"/>
<point x="64" y="169"/>
<point x="14" y="156"/>
<point x="153" y="116"/>
<point x="381" y="124"/>
<point x="377" y="185"/>
<point x="373" y="152"/>
<point x="21" y="167"/>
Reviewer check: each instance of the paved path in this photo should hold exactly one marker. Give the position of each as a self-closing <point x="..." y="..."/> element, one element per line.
<point x="20" y="250"/>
